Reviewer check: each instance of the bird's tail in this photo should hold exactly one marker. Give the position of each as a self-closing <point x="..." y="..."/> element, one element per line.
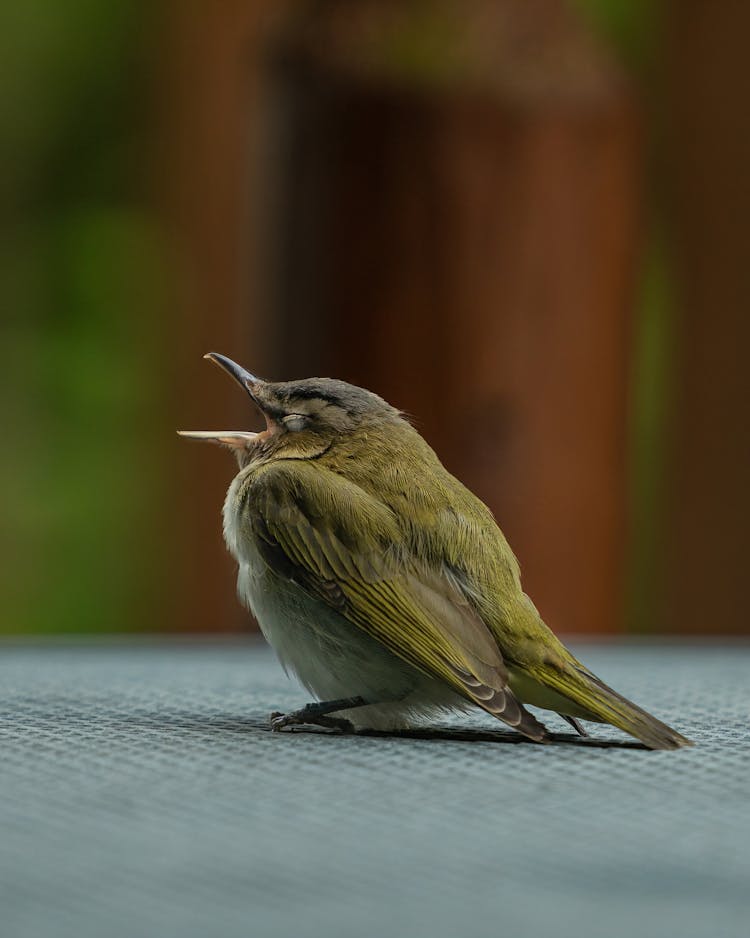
<point x="605" y="705"/>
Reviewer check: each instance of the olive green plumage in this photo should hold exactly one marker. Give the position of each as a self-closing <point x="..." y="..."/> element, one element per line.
<point x="342" y="499"/>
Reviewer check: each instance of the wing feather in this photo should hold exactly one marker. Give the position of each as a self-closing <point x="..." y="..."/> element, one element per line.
<point x="337" y="543"/>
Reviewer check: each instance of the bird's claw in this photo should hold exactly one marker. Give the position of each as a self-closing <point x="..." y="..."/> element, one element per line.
<point x="280" y="721"/>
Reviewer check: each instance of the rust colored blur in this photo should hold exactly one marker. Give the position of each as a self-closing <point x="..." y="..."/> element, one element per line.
<point x="708" y="515"/>
<point x="209" y="107"/>
<point x="465" y="247"/>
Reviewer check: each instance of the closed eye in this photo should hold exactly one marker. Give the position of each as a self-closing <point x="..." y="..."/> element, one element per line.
<point x="295" y="421"/>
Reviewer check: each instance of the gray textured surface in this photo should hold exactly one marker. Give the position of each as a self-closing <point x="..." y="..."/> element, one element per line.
<point x="141" y="794"/>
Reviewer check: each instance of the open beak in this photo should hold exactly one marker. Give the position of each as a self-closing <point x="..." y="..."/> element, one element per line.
<point x="233" y="438"/>
<point x="236" y="439"/>
<point x="244" y="378"/>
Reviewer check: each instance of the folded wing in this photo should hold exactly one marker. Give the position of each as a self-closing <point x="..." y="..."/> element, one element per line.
<point x="340" y="544"/>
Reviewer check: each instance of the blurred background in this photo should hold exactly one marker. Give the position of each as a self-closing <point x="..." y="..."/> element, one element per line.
<point x="524" y="222"/>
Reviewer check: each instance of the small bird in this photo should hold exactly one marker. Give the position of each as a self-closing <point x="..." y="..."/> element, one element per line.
<point x="382" y="581"/>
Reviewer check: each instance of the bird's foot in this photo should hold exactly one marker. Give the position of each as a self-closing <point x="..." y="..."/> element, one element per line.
<point x="316" y="714"/>
<point x="308" y="716"/>
<point x="575" y="724"/>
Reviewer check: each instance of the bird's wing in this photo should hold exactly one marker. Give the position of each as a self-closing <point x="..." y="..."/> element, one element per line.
<point x="340" y="544"/>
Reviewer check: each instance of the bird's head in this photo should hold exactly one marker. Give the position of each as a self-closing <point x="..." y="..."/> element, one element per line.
<point x="304" y="418"/>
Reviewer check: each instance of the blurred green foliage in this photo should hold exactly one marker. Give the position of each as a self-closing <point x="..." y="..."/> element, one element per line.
<point x="79" y="262"/>
<point x="634" y="27"/>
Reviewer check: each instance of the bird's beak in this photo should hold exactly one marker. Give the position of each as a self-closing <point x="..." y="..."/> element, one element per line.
<point x="236" y="439"/>
<point x="244" y="378"/>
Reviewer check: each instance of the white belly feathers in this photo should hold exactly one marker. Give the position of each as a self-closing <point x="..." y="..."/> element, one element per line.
<point x="330" y="655"/>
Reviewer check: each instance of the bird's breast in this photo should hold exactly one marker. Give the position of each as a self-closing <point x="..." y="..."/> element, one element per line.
<point x="332" y="657"/>
<point x="237" y="543"/>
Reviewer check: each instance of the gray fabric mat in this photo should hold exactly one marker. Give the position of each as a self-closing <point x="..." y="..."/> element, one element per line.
<point x="142" y="794"/>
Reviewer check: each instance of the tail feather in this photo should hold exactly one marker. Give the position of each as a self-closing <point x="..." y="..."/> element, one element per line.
<point x="606" y="705"/>
<point x="505" y="707"/>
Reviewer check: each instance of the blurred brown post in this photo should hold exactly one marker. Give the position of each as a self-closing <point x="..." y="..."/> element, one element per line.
<point x="210" y="106"/>
<point x="458" y="233"/>
<point x="708" y="159"/>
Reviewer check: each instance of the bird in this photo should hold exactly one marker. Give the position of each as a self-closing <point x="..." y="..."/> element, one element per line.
<point x="382" y="582"/>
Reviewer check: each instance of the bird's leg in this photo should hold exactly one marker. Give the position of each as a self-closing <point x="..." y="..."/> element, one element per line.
<point x="316" y="714"/>
<point x="575" y="724"/>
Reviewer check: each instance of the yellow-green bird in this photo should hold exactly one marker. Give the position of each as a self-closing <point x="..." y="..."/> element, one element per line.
<point x="383" y="582"/>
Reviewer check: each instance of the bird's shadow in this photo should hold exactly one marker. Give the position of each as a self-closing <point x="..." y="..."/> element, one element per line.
<point x="440" y="733"/>
<point x="468" y="734"/>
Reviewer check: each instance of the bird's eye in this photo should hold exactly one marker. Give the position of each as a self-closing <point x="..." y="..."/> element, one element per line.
<point x="295" y="421"/>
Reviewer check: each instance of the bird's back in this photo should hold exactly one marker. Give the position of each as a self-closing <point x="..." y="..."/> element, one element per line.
<point x="450" y="531"/>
